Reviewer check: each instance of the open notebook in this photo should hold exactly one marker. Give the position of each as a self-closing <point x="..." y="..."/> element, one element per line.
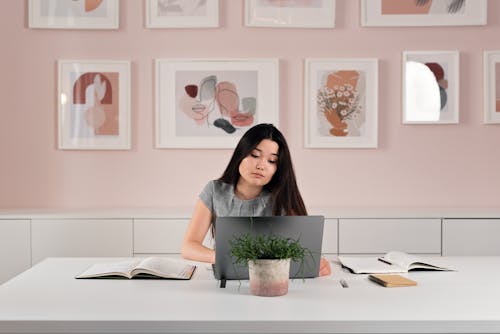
<point x="391" y="262"/>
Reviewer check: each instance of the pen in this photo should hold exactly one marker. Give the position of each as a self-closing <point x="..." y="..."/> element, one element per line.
<point x="344" y="284"/>
<point x="382" y="260"/>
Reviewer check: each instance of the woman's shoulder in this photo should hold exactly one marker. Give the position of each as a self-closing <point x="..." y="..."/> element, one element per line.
<point x="221" y="186"/>
<point x="218" y="186"/>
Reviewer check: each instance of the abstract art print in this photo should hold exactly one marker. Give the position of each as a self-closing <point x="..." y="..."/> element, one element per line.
<point x="182" y="13"/>
<point x="423" y="12"/>
<point x="341" y="103"/>
<point x="491" y="86"/>
<point x="290" y="13"/>
<point x="211" y="103"/>
<point x="73" y="14"/>
<point x="94" y="105"/>
<point x="430" y="87"/>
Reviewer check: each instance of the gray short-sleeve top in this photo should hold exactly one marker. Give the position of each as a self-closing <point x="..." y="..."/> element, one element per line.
<point x="220" y="199"/>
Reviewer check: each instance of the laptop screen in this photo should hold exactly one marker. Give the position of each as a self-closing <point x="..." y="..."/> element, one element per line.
<point x="307" y="229"/>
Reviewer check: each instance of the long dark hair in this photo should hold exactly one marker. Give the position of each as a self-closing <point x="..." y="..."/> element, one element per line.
<point x="285" y="194"/>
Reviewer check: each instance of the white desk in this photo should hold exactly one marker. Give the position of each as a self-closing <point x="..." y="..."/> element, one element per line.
<point x="47" y="299"/>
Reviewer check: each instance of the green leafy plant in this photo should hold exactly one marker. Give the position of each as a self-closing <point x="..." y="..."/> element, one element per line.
<point x="249" y="247"/>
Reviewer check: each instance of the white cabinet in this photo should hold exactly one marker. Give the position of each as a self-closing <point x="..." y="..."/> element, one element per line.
<point x="330" y="237"/>
<point x="471" y="237"/>
<point x="81" y="237"/>
<point x="162" y="236"/>
<point x="26" y="239"/>
<point x="15" y="256"/>
<point x="378" y="236"/>
<point x="156" y="236"/>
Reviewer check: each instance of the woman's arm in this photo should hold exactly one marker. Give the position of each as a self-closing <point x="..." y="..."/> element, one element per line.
<point x="192" y="245"/>
<point x="324" y="267"/>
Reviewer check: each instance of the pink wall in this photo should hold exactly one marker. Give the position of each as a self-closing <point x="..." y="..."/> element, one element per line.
<point x="414" y="165"/>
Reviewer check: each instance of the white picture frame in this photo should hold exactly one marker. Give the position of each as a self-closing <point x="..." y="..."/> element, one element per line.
<point x="183" y="14"/>
<point x="290" y="13"/>
<point x="93" y="99"/>
<point x="348" y="120"/>
<point x="54" y="14"/>
<point x="385" y="13"/>
<point x="491" y="65"/>
<point x="430" y="87"/>
<point x="210" y="103"/>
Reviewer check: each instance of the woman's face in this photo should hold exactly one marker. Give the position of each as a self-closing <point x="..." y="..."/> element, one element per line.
<point x="258" y="168"/>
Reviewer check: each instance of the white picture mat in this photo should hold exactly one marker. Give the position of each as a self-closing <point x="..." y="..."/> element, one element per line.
<point x="475" y="14"/>
<point x="166" y="103"/>
<point x="490" y="59"/>
<point x="451" y="58"/>
<point x="65" y="86"/>
<point x="36" y="20"/>
<point x="153" y="20"/>
<point x="290" y="17"/>
<point x="315" y="66"/>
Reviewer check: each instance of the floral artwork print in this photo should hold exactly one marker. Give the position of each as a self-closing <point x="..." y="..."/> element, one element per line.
<point x="340" y="104"/>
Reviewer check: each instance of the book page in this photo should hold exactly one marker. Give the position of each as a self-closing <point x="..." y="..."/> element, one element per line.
<point x="115" y="268"/>
<point x="401" y="259"/>
<point x="368" y="265"/>
<point x="409" y="261"/>
<point x="165" y="267"/>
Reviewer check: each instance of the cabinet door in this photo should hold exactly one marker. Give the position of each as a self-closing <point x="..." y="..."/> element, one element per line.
<point x="378" y="236"/>
<point x="162" y="236"/>
<point x="15" y="256"/>
<point x="471" y="237"/>
<point x="330" y="237"/>
<point x="159" y="235"/>
<point x="81" y="238"/>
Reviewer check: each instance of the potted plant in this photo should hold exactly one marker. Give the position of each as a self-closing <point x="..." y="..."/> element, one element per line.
<point x="268" y="258"/>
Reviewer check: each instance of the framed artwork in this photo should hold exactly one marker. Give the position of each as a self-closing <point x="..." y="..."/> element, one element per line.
<point x="210" y="103"/>
<point x="94" y="104"/>
<point x="73" y="14"/>
<point x="423" y="12"/>
<point x="341" y="103"/>
<point x="182" y="13"/>
<point x="290" y="13"/>
<point x="430" y="87"/>
<point x="491" y="87"/>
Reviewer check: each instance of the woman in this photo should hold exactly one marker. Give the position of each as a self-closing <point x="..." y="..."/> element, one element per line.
<point x="258" y="181"/>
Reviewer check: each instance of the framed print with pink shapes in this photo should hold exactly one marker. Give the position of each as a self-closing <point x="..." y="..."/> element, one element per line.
<point x="93" y="105"/>
<point x="202" y="103"/>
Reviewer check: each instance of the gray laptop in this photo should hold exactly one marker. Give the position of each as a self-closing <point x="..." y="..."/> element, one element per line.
<point x="308" y="229"/>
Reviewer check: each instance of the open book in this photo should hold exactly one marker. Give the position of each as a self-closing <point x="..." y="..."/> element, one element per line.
<point x="391" y="262"/>
<point x="151" y="267"/>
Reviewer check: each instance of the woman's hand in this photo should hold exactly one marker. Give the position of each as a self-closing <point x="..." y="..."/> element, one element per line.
<point x="324" y="267"/>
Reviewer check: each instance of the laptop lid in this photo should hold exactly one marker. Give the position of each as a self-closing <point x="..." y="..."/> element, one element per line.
<point x="307" y="229"/>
